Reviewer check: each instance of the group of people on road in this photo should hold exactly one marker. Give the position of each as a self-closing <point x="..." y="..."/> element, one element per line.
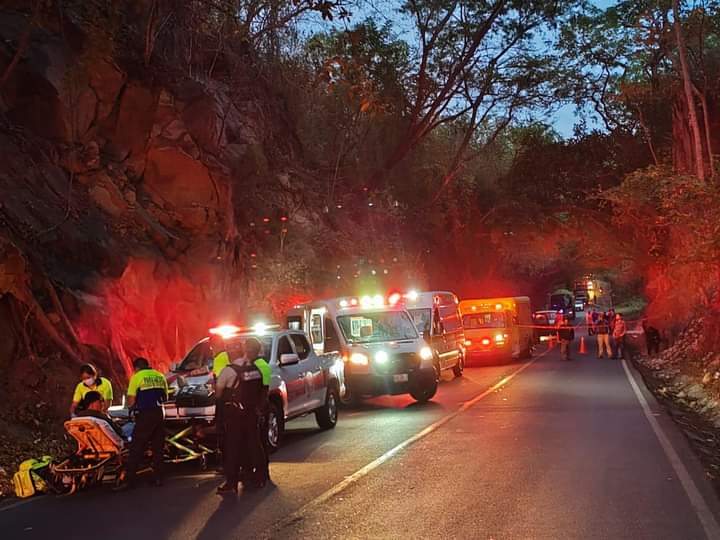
<point x="242" y="402"/>
<point x="603" y="325"/>
<point x="147" y="390"/>
<point x="606" y="326"/>
<point x="610" y="331"/>
<point x="241" y="408"/>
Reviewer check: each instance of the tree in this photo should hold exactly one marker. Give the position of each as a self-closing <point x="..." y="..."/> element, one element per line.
<point x="688" y="89"/>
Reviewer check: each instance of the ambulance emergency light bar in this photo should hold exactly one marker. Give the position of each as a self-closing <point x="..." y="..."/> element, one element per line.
<point x="377" y="300"/>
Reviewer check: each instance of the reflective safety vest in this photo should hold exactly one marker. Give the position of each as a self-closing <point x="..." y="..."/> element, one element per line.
<point x="248" y="388"/>
<point x="265" y="370"/>
<point x="102" y="386"/>
<point x="221" y="360"/>
<point x="149" y="388"/>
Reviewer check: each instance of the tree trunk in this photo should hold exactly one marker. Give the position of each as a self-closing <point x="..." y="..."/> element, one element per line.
<point x="687" y="87"/>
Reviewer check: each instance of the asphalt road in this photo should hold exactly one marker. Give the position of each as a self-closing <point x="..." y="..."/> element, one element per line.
<point x="548" y="449"/>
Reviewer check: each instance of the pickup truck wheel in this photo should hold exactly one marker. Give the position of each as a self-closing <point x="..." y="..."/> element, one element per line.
<point x="274" y="427"/>
<point x="460" y="366"/>
<point x="426" y="391"/>
<point x="326" y="416"/>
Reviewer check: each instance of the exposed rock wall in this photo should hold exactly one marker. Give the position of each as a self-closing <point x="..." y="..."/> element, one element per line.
<point x="120" y="201"/>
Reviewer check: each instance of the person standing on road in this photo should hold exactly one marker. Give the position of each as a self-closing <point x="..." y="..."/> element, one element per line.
<point x="146" y="393"/>
<point x="602" y="333"/>
<point x="241" y="392"/>
<point x="589" y="322"/>
<point x="619" y="331"/>
<point x="91" y="381"/>
<point x="566" y="335"/>
<point x="253" y="350"/>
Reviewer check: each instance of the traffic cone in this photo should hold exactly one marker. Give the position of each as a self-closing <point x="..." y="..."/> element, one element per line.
<point x="582" y="345"/>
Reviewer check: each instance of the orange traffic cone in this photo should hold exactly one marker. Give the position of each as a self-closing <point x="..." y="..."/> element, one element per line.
<point x="582" y="345"/>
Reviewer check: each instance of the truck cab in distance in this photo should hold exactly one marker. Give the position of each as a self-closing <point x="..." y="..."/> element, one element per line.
<point x="377" y="343"/>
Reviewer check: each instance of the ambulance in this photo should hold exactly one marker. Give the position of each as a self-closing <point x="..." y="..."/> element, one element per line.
<point x="497" y="328"/>
<point x="376" y="341"/>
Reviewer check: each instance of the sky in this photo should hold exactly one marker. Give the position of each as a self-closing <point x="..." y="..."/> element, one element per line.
<point x="563" y="119"/>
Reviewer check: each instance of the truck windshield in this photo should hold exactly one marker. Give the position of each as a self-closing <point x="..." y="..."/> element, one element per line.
<point x="490" y="319"/>
<point x="198" y="357"/>
<point x="421" y="317"/>
<point x="558" y="301"/>
<point x="376" y="327"/>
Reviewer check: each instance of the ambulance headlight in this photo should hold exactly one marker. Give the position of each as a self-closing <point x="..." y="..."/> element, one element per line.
<point x="426" y="353"/>
<point x="381" y="357"/>
<point x="359" y="359"/>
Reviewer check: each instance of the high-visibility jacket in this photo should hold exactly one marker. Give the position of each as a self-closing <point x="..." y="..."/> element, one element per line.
<point x="149" y="388"/>
<point x="221" y="360"/>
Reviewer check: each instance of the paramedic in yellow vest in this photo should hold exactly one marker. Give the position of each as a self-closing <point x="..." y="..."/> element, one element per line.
<point x="146" y="393"/>
<point x="220" y="355"/>
<point x="90" y="381"/>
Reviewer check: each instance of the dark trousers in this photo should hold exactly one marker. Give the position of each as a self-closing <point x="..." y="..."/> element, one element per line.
<point x="620" y="347"/>
<point x="243" y="448"/>
<point x="149" y="429"/>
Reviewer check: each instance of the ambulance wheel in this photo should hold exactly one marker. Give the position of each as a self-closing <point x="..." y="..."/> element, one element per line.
<point x="273" y="433"/>
<point x="327" y="415"/>
<point x="425" y="392"/>
<point x="460" y="366"/>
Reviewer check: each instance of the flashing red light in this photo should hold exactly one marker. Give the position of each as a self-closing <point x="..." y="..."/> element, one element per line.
<point x="353" y="301"/>
<point x="394" y="298"/>
<point x="283" y="218"/>
<point x="266" y="220"/>
<point x="225" y="331"/>
<point x="486" y="341"/>
<point x="468" y="342"/>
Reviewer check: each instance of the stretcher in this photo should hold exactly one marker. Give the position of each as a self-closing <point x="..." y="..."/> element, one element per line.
<point x="101" y="454"/>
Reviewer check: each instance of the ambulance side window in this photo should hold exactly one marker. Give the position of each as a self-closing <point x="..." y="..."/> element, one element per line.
<point x="316" y="329"/>
<point x="332" y="343"/>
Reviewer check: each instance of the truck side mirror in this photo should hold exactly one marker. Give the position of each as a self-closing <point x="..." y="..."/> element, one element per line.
<point x="289" y="359"/>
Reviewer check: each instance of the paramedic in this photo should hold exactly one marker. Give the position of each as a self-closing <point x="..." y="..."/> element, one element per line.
<point x="90" y="381"/>
<point x="146" y="393"/>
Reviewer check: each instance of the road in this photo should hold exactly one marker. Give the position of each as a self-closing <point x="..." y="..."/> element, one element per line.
<point x="546" y="449"/>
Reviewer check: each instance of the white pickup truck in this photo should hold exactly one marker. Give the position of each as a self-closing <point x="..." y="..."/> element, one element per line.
<point x="302" y="383"/>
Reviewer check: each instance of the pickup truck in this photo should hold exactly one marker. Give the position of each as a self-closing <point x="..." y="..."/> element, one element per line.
<point x="302" y="382"/>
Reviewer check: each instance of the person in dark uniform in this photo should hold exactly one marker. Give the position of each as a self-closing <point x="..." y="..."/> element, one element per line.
<point x="146" y="393"/>
<point x="253" y="351"/>
<point x="241" y="392"/>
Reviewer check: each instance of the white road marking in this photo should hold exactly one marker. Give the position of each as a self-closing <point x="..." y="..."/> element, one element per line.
<point x="10" y="506"/>
<point x="704" y="514"/>
<point x="367" y="469"/>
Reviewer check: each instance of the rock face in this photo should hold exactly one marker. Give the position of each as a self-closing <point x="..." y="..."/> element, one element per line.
<point x="118" y="227"/>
